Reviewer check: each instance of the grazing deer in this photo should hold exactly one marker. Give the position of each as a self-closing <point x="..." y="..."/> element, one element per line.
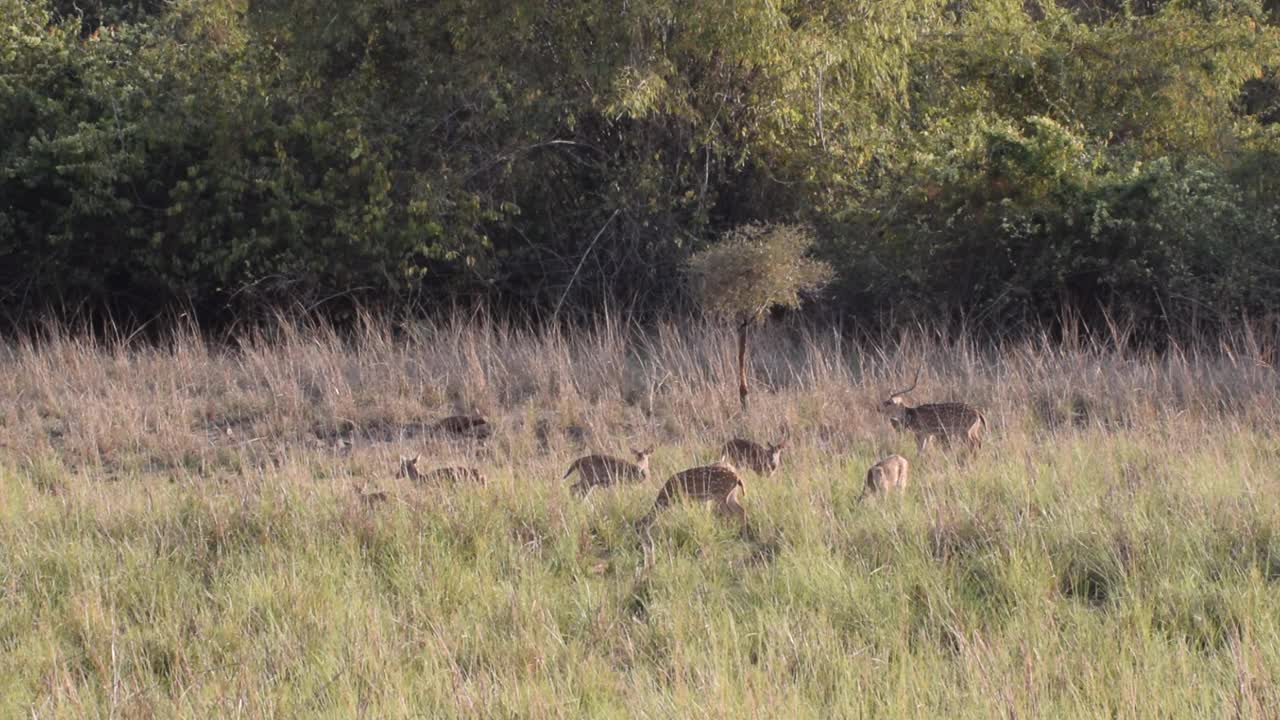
<point x="888" y="474"/>
<point x="472" y="427"/>
<point x="718" y="484"/>
<point x="761" y="459"/>
<point x="409" y="469"/>
<point x="944" y="420"/>
<point x="602" y="470"/>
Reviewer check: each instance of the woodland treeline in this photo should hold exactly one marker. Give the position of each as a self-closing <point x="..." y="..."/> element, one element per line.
<point x="992" y="160"/>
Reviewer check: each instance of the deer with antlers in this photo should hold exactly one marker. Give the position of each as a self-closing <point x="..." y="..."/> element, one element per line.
<point x="942" y="420"/>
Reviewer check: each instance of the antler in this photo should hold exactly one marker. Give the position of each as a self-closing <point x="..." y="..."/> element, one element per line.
<point x="913" y="386"/>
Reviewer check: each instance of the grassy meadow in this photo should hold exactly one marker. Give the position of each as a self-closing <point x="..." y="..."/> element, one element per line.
<point x="182" y="535"/>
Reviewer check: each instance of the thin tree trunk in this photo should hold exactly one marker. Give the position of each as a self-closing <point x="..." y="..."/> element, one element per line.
<point x="742" y="363"/>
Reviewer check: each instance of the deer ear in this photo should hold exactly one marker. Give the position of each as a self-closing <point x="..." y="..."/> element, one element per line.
<point x="416" y="458"/>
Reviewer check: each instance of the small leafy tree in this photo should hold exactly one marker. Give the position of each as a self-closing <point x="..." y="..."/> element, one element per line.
<point x="753" y="269"/>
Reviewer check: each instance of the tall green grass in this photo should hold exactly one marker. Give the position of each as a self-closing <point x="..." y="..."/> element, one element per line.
<point x="181" y="533"/>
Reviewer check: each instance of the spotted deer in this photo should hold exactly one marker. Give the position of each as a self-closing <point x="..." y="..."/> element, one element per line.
<point x="944" y="420"/>
<point x="888" y="474"/>
<point x="760" y="459"/>
<point x="603" y="470"/>
<point x="409" y="469"/>
<point x="719" y="484"/>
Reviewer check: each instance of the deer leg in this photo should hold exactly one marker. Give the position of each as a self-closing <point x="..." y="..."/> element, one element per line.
<point x="730" y="507"/>
<point x="975" y="440"/>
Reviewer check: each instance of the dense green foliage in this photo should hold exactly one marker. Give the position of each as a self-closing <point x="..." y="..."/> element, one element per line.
<point x="988" y="158"/>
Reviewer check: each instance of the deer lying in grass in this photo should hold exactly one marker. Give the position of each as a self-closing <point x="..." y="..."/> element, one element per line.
<point x="409" y="469"/>
<point x="471" y="427"/>
<point x="718" y="484"/>
<point x="603" y="470"/>
<point x="888" y="474"/>
<point x="760" y="459"/>
<point x="944" y="420"/>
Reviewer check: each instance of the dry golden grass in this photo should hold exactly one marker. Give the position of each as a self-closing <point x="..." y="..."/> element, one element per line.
<point x="184" y="532"/>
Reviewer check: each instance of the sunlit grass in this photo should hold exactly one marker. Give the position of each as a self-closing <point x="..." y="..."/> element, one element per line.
<point x="156" y="564"/>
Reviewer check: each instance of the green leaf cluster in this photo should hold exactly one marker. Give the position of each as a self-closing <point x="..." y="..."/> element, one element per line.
<point x="986" y="159"/>
<point x="756" y="268"/>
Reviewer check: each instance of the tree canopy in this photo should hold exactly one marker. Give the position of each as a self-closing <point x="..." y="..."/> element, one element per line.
<point x="753" y="270"/>
<point x="756" y="268"/>
<point x="989" y="159"/>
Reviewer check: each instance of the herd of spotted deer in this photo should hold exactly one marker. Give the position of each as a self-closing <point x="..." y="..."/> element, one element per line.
<point x="720" y="483"/>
